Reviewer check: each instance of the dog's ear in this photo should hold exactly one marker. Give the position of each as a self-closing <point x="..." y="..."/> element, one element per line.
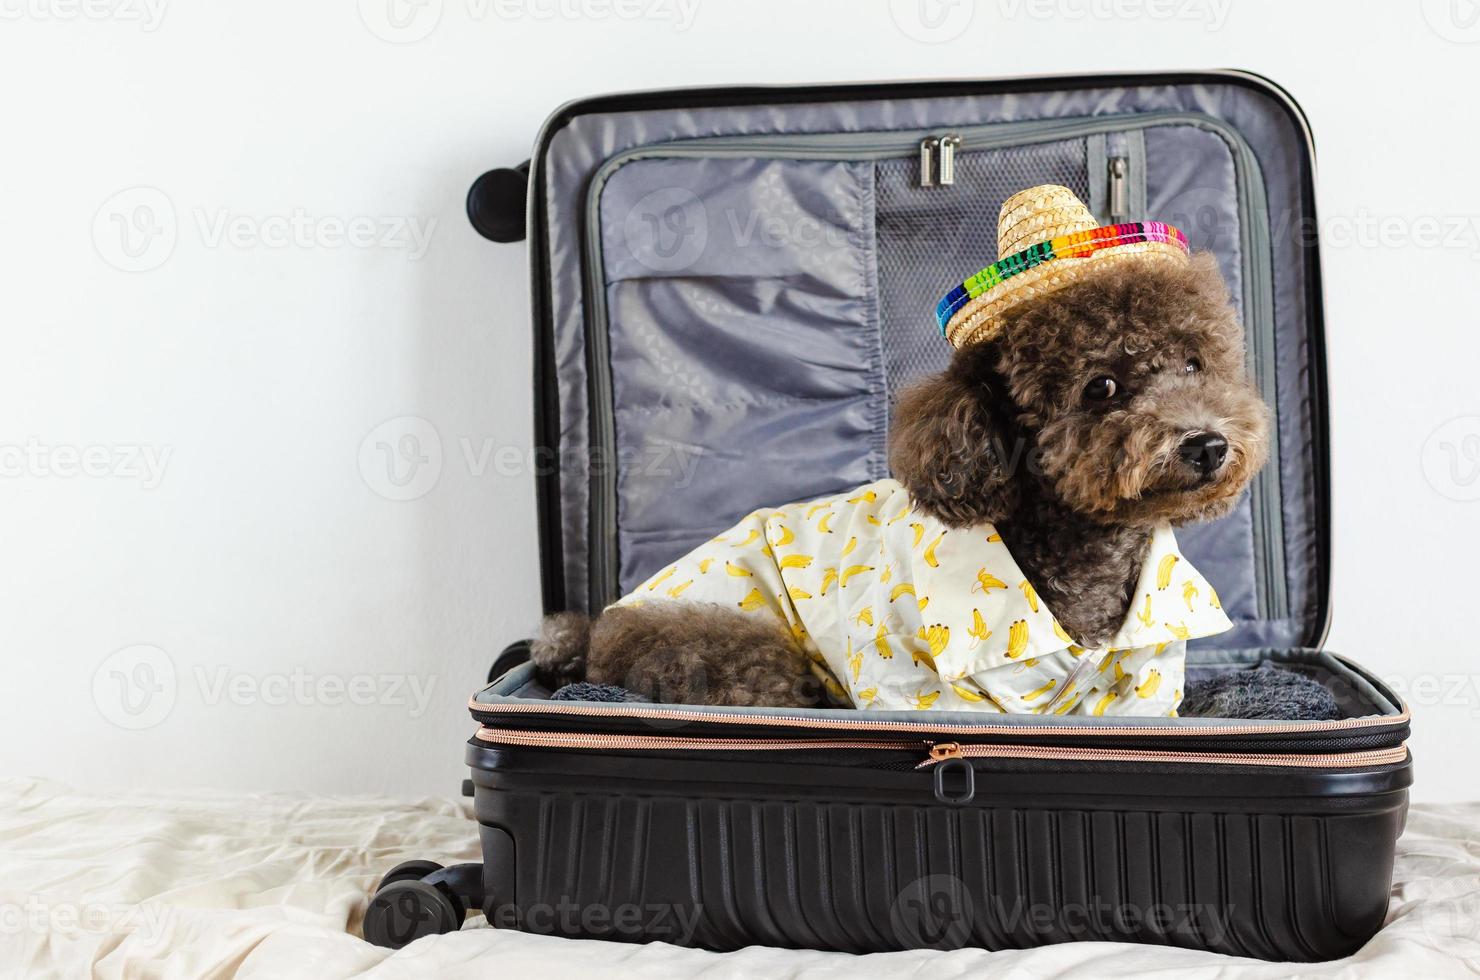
<point x="951" y="442"/>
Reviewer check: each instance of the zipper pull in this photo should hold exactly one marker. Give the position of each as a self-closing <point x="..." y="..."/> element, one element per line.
<point x="928" y="146"/>
<point x="948" y="144"/>
<point x="1120" y="194"/>
<point x="941" y="751"/>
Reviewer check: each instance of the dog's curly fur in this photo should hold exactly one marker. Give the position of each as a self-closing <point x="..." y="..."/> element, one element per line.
<point x="1008" y="433"/>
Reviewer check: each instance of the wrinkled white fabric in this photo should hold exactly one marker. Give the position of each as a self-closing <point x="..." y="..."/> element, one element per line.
<point x="273" y="886"/>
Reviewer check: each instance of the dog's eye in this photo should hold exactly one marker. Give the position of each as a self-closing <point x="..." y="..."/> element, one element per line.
<point x="1101" y="389"/>
<point x="1194" y="365"/>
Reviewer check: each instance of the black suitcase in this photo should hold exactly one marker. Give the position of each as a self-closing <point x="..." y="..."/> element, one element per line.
<point x="676" y="238"/>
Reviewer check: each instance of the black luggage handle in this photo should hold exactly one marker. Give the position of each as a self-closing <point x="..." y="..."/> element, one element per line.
<point x="498" y="203"/>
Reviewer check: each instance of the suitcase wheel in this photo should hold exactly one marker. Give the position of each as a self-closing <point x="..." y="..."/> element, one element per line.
<point x="404" y="911"/>
<point x="497" y="203"/>
<point x="406" y="871"/>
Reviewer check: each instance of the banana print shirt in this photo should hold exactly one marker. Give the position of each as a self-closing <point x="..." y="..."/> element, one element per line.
<point x="898" y="611"/>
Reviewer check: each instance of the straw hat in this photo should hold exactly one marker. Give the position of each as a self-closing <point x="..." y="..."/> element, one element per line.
<point x="1046" y="240"/>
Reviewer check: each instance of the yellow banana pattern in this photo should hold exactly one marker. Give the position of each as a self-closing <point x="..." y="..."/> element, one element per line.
<point x="978" y="631"/>
<point x="1164" y="571"/>
<point x="751" y="538"/>
<point x="835" y="574"/>
<point x="881" y="643"/>
<point x="1017" y="638"/>
<point x="986" y="582"/>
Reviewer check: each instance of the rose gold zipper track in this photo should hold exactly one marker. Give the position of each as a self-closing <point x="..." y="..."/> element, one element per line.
<point x="938" y="752"/>
<point x="561" y="740"/>
<point x="944" y="751"/>
<point x="987" y="728"/>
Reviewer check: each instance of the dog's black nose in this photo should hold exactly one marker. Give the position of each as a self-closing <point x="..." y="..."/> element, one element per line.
<point x="1204" y="452"/>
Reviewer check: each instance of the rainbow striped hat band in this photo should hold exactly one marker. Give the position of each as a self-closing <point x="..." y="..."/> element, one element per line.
<point x="1046" y="240"/>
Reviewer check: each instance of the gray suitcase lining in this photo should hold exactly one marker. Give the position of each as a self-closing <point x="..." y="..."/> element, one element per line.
<point x="759" y="368"/>
<point x="1359" y="694"/>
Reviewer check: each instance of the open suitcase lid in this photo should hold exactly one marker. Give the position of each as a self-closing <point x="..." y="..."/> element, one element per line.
<point x="729" y="286"/>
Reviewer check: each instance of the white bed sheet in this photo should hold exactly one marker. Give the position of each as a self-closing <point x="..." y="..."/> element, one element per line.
<point x="217" y="885"/>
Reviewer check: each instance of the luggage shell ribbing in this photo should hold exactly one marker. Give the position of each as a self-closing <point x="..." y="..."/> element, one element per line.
<point x="870" y="831"/>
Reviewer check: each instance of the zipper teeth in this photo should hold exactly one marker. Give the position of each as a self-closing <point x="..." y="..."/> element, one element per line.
<point x="1344" y="760"/>
<point x="1338" y="760"/>
<point x="679" y="714"/>
<point x="1258" y="307"/>
<point x="510" y="736"/>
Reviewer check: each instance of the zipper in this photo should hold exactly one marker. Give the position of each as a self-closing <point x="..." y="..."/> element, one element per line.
<point x="929" y="146"/>
<point x="564" y="740"/>
<point x="935" y="752"/>
<point x="843" y="722"/>
<point x="1268" y="545"/>
<point x="938" y="160"/>
<point x="1119" y="194"/>
<point x="946" y="751"/>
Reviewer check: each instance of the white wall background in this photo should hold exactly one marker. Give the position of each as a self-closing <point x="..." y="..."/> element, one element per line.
<point x="254" y="557"/>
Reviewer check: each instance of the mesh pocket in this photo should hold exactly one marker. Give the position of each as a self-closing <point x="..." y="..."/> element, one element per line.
<point x="931" y="238"/>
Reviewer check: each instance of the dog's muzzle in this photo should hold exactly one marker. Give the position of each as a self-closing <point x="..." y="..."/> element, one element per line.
<point x="1204" y="453"/>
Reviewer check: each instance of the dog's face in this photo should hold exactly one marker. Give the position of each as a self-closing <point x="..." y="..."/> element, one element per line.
<point x="1125" y="396"/>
